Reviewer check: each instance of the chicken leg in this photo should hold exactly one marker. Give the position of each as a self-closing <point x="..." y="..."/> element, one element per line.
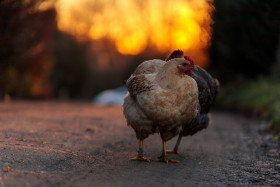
<point x="140" y="153"/>
<point x="175" y="149"/>
<point x="163" y="158"/>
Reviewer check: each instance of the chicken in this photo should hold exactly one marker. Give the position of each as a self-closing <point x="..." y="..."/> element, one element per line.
<point x="208" y="88"/>
<point x="162" y="97"/>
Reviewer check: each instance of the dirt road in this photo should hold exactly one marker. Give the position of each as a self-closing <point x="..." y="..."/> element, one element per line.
<point x="80" y="144"/>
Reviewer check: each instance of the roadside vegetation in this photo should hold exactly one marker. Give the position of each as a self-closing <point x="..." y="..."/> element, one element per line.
<point x="258" y="97"/>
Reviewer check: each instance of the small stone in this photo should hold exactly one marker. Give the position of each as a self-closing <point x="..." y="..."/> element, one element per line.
<point x="277" y="167"/>
<point x="89" y="130"/>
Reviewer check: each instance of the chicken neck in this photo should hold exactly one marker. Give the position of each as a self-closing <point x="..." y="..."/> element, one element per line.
<point x="169" y="76"/>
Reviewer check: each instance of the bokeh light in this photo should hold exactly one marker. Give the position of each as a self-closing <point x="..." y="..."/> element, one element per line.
<point x="135" y="25"/>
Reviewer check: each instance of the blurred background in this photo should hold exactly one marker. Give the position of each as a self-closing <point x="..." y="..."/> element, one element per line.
<point x="66" y="49"/>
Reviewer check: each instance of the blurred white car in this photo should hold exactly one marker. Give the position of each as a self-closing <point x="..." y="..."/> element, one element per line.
<point x="109" y="97"/>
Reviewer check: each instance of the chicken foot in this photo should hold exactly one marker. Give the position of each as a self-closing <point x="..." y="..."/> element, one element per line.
<point x="163" y="158"/>
<point x="176" y="147"/>
<point x="140" y="155"/>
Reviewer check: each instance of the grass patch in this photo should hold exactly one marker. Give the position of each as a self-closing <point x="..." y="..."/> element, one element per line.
<point x="259" y="97"/>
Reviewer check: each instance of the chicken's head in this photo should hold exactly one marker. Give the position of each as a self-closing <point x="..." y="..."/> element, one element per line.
<point x="187" y="65"/>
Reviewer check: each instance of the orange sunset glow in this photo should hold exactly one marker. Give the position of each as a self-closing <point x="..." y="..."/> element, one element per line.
<point x="135" y="25"/>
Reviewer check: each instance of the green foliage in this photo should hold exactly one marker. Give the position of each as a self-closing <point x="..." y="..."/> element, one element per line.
<point x="258" y="97"/>
<point x="243" y="57"/>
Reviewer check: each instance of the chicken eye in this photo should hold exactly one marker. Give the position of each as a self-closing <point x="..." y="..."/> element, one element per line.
<point x="184" y="64"/>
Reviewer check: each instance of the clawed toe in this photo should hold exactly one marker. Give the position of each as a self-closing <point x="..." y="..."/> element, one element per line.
<point x="166" y="160"/>
<point x="172" y="151"/>
<point x="141" y="158"/>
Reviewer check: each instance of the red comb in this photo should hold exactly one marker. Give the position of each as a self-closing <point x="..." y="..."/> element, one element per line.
<point x="189" y="59"/>
<point x="175" y="54"/>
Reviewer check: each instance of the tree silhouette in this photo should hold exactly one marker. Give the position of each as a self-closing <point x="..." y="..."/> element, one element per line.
<point x="25" y="55"/>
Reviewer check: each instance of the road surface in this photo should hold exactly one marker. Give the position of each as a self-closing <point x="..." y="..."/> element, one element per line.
<point x="81" y="144"/>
